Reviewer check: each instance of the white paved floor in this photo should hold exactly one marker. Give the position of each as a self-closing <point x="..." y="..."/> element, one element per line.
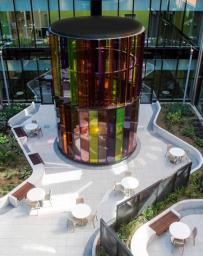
<point x="47" y="234"/>
<point x="162" y="245"/>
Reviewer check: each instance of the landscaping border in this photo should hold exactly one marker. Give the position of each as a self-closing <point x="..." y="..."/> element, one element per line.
<point x="177" y="141"/>
<point x="144" y="234"/>
<point x="38" y="170"/>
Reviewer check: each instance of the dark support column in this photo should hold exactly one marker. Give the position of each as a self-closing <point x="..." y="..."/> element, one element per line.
<point x="96" y="7"/>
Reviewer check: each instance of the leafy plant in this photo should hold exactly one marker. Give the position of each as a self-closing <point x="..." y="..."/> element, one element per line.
<point x="7" y="112"/>
<point x="198" y="142"/>
<point x="149" y="213"/>
<point x="3" y="139"/>
<point x="11" y="110"/>
<point x="188" y="132"/>
<point x="193" y="190"/>
<point x="5" y="188"/>
<point x="184" y="109"/>
<point x="174" y="118"/>
<point x="26" y="173"/>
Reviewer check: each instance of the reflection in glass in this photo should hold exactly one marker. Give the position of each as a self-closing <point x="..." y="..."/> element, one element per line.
<point x="96" y="85"/>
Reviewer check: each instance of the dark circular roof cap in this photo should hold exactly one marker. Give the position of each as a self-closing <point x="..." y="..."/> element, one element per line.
<point x="96" y="27"/>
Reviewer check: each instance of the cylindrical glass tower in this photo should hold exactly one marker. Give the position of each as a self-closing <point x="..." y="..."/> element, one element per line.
<point x="96" y="69"/>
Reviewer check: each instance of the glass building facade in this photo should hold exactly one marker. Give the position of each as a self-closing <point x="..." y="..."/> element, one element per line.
<point x="172" y="28"/>
<point x="97" y="122"/>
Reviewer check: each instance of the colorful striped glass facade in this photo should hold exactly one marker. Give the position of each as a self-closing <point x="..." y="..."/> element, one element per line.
<point x="97" y="85"/>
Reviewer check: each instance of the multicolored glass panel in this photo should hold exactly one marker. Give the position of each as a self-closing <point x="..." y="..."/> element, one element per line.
<point x="97" y="85"/>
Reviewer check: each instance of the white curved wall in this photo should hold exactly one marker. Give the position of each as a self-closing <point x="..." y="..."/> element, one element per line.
<point x="194" y="154"/>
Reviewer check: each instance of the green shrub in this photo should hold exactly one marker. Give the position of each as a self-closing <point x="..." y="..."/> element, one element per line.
<point x="174" y="118"/>
<point x="26" y="173"/>
<point x="11" y="110"/>
<point x="7" y="112"/>
<point x="193" y="190"/>
<point x="149" y="212"/>
<point x="3" y="138"/>
<point x="188" y="132"/>
<point x="9" y="151"/>
<point x="198" y="142"/>
<point x="6" y="188"/>
<point x="184" y="109"/>
<point x="126" y="230"/>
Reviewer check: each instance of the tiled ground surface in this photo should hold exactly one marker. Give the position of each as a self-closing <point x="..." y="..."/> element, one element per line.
<point x="47" y="234"/>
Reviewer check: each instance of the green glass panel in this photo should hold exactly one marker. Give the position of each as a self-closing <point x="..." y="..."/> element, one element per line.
<point x="72" y="70"/>
<point x="93" y="136"/>
<point x="120" y="113"/>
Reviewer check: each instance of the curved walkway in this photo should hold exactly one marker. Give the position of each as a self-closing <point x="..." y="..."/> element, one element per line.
<point x="47" y="234"/>
<point x="191" y="212"/>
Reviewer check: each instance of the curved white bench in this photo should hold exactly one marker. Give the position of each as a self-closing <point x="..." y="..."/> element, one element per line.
<point x="140" y="240"/>
<point x="23" y="115"/>
<point x="188" y="204"/>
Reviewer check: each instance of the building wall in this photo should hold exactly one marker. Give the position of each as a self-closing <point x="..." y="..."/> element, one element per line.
<point x="24" y="23"/>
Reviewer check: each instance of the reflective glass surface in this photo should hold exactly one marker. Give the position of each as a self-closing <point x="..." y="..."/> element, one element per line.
<point x="96" y="85"/>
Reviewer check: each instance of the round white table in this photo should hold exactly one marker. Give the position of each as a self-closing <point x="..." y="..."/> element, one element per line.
<point x="129" y="184"/>
<point x="81" y="211"/>
<point x="177" y="152"/>
<point x="36" y="194"/>
<point x="179" y="230"/>
<point x="31" y="127"/>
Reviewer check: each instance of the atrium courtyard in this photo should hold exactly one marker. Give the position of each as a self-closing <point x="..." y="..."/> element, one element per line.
<point x="101" y="127"/>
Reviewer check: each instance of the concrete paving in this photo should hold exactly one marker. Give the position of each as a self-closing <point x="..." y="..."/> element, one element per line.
<point x="48" y="233"/>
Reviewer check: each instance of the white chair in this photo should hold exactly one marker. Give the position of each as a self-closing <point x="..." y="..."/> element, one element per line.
<point x="169" y="146"/>
<point x="172" y="159"/>
<point x="92" y="218"/>
<point x="74" y="222"/>
<point x="194" y="235"/>
<point x="48" y="197"/>
<point x="118" y="187"/>
<point x="80" y="200"/>
<point x="38" y="132"/>
<point x="33" y="206"/>
<point x="180" y="243"/>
